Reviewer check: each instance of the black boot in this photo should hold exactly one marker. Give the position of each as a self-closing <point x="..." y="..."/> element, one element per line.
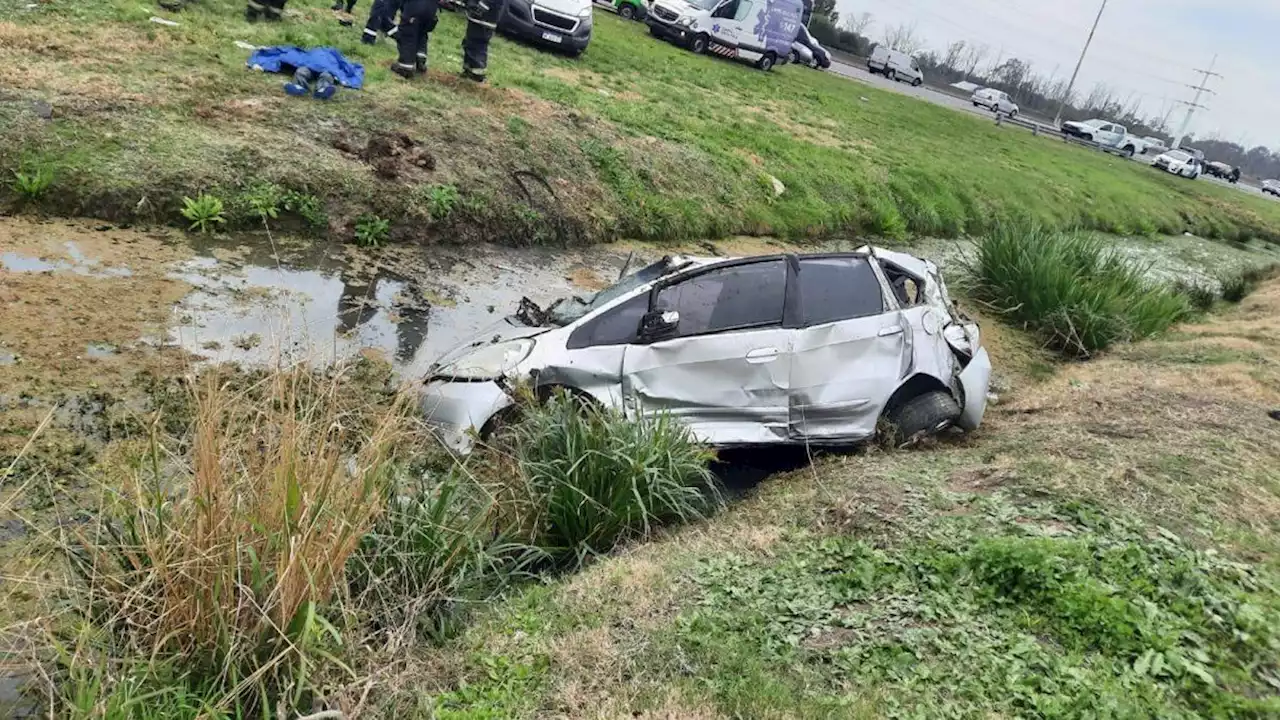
<point x="472" y="75"/>
<point x="404" y="71"/>
<point x="421" y="63"/>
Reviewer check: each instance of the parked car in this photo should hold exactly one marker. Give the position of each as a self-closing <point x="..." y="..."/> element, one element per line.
<point x="760" y="32"/>
<point x="780" y="349"/>
<point x="895" y="65"/>
<point x="1155" y="144"/>
<point x="1180" y="163"/>
<point x="1271" y="187"/>
<point x="1108" y="135"/>
<point x="997" y="101"/>
<point x="561" y="24"/>
<point x="808" y="51"/>
<point x="627" y="9"/>
<point x="1223" y="170"/>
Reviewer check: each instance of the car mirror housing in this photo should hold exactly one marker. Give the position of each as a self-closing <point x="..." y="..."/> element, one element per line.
<point x="659" y="324"/>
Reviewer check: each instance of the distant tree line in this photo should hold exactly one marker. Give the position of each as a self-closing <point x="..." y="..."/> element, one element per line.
<point x="1033" y="92"/>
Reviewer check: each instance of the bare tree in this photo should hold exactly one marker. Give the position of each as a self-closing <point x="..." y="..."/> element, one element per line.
<point x="973" y="57"/>
<point x="859" y="24"/>
<point x="903" y="38"/>
<point x="955" y="51"/>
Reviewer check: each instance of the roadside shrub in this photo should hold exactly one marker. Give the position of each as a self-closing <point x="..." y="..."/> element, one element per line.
<point x="372" y="231"/>
<point x="222" y="559"/>
<point x="1198" y="295"/>
<point x="1238" y="285"/>
<point x="432" y="549"/>
<point x="204" y="212"/>
<point x="1078" y="295"/>
<point x="589" y="478"/>
<point x="33" y="183"/>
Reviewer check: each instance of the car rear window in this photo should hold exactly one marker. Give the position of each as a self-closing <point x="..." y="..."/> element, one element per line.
<point x="840" y="288"/>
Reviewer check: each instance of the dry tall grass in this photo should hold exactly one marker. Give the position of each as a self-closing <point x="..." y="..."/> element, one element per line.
<point x="224" y="557"/>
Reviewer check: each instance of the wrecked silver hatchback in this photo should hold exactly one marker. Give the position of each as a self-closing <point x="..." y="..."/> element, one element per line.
<point x="746" y="351"/>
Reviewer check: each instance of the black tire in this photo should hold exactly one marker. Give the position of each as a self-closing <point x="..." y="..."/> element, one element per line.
<point x="698" y="44"/>
<point x="975" y="104"/>
<point x="653" y="31"/>
<point x="1087" y="137"/>
<point x="891" y="74"/>
<point x="917" y="82"/>
<point x="1013" y="115"/>
<point x="627" y="11"/>
<point x="924" y="415"/>
<point x="766" y="62"/>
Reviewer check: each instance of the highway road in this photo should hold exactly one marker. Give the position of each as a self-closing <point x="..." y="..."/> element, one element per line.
<point x="937" y="97"/>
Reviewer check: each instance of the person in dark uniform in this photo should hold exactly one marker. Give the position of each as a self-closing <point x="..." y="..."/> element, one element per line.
<point x="417" y="20"/>
<point x="270" y="9"/>
<point x="382" y="19"/>
<point x="482" y="20"/>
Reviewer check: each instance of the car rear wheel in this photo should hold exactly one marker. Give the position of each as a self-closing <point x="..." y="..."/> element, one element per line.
<point x="892" y="75"/>
<point x="627" y="11"/>
<point x="1013" y="114"/>
<point x="1087" y="137"/>
<point x="924" y="415"/>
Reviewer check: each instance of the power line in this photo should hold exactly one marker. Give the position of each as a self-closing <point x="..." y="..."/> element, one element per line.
<point x="1195" y="102"/>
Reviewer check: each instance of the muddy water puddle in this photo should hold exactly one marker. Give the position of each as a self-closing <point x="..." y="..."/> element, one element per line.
<point x="410" y="307"/>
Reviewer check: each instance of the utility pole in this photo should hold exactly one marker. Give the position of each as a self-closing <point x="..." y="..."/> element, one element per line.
<point x="1057" y="120"/>
<point x="1195" y="102"/>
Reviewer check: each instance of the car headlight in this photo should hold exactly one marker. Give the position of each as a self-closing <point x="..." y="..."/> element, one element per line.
<point x="489" y="362"/>
<point x="684" y="21"/>
<point x="586" y="12"/>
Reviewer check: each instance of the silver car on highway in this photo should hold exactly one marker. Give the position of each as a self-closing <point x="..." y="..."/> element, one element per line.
<point x="815" y="348"/>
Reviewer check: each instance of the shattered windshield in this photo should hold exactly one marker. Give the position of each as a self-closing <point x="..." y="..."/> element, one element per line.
<point x="568" y="310"/>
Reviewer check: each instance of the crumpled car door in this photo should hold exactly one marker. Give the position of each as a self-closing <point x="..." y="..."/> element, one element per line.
<point x="725" y="372"/>
<point x="849" y="353"/>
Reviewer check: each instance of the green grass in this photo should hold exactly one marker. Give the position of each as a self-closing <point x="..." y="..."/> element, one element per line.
<point x="1078" y="294"/>
<point x="635" y="139"/>
<point x="588" y="479"/>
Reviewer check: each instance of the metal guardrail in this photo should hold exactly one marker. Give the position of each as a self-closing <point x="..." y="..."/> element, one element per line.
<point x="1053" y="132"/>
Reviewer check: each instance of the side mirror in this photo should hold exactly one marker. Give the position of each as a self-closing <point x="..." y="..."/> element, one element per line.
<point x="659" y="324"/>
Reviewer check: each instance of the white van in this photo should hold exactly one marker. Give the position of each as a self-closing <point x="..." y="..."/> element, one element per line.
<point x="895" y="65"/>
<point x="756" y="31"/>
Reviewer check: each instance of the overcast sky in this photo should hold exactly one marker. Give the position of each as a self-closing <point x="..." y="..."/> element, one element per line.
<point x="1147" y="47"/>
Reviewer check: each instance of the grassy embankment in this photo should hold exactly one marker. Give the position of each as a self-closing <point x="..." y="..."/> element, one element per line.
<point x="635" y="139"/>
<point x="1105" y="545"/>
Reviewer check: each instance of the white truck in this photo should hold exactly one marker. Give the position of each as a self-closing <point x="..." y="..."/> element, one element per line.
<point x="1109" y="136"/>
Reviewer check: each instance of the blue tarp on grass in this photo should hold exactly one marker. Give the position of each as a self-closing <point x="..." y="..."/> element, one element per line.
<point x="287" y="58"/>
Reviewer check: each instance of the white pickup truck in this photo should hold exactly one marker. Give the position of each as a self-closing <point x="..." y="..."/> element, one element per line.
<point x="1112" y="137"/>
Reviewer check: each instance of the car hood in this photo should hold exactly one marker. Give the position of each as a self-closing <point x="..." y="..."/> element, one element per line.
<point x="564" y="7"/>
<point x="504" y="330"/>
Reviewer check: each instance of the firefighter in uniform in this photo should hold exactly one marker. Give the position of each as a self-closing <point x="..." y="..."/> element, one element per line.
<point x="382" y="19"/>
<point x="270" y="9"/>
<point x="482" y="20"/>
<point x="417" y="20"/>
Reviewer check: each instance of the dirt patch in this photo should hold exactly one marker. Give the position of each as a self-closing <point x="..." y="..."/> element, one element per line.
<point x="587" y="279"/>
<point x="393" y="156"/>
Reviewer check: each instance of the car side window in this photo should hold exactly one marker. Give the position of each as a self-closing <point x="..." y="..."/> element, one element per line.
<point x="744" y="9"/>
<point x="619" y="325"/>
<point x="735" y="297"/>
<point x="840" y="288"/>
<point x="906" y="287"/>
<point x="726" y="10"/>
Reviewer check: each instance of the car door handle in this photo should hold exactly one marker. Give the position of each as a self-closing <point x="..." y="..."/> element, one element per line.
<point x="762" y="355"/>
<point x="891" y="330"/>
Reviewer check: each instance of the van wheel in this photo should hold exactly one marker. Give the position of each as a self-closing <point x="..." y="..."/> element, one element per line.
<point x="892" y="75"/>
<point x="627" y="11"/>
<point x="924" y="415"/>
<point x="698" y="44"/>
<point x="766" y="63"/>
<point x="917" y="82"/>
